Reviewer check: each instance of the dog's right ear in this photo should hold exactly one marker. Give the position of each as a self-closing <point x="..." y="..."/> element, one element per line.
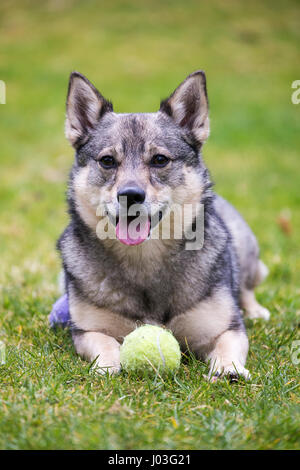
<point x="85" y="107"/>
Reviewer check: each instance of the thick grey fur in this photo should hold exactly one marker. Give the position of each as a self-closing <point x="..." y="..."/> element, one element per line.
<point x="182" y="278"/>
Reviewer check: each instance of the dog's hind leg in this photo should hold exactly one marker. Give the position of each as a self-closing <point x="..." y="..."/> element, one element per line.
<point x="252" y="269"/>
<point x="248" y="301"/>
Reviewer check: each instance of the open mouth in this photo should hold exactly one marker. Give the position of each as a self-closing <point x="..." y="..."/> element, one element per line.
<point x="134" y="230"/>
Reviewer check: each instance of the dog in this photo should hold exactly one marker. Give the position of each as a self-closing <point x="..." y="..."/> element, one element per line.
<point x="114" y="284"/>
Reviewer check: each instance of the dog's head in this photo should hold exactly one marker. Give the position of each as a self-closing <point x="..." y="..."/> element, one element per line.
<point x="136" y="161"/>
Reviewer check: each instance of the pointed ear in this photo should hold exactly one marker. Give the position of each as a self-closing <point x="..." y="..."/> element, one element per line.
<point x="188" y="106"/>
<point x="85" y="106"/>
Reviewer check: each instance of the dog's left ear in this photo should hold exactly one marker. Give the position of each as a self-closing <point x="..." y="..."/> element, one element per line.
<point x="85" y="107"/>
<point x="188" y="106"/>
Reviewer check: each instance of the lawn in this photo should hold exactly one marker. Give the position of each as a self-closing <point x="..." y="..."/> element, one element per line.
<point x="136" y="52"/>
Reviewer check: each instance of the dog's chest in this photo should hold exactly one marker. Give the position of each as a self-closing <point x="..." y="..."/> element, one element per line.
<point x="150" y="295"/>
<point x="138" y="295"/>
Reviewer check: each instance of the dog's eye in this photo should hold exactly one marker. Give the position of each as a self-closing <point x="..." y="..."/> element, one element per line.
<point x="159" y="161"/>
<point x="107" y="162"/>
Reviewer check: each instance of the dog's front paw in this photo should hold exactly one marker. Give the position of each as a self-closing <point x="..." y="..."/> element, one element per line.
<point x="104" y="367"/>
<point x="233" y="372"/>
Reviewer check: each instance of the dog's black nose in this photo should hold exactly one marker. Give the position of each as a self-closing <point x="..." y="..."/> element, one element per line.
<point x="133" y="195"/>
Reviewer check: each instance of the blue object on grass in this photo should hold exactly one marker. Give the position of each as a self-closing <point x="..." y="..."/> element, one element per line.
<point x="60" y="315"/>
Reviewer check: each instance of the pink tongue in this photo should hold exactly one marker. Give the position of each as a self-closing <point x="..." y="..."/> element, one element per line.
<point x="132" y="235"/>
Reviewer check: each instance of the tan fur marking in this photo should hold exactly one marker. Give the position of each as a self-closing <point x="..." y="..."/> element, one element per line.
<point x="198" y="327"/>
<point x="89" y="199"/>
<point x="190" y="192"/>
<point x="90" y="318"/>
<point x="86" y="197"/>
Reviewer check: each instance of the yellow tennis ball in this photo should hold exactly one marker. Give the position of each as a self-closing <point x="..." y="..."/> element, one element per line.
<point x="150" y="348"/>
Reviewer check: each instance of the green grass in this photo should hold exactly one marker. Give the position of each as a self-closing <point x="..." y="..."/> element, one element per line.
<point x="136" y="52"/>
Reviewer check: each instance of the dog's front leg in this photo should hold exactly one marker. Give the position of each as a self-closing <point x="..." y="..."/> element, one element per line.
<point x="98" y="347"/>
<point x="213" y="330"/>
<point x="97" y="332"/>
<point x="228" y="355"/>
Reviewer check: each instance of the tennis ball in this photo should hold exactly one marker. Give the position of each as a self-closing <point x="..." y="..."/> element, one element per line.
<point x="149" y="349"/>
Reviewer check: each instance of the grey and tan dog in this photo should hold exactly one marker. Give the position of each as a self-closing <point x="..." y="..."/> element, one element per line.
<point x="114" y="284"/>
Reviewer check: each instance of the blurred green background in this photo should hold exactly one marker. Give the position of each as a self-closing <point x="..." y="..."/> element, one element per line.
<point x="136" y="52"/>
